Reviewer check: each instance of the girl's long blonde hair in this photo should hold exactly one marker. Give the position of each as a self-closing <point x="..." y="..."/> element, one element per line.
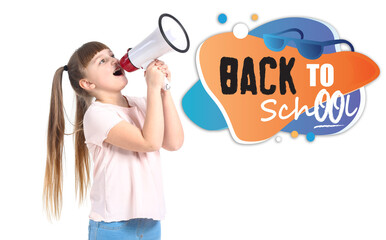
<point x="53" y="180"/>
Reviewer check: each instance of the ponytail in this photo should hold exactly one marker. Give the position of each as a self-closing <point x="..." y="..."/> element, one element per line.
<point x="53" y="180"/>
<point x="82" y="161"/>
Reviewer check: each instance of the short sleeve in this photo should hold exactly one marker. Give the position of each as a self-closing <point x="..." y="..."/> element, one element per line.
<point x="97" y="123"/>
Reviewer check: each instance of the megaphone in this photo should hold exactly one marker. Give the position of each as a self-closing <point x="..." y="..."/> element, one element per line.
<point x="169" y="35"/>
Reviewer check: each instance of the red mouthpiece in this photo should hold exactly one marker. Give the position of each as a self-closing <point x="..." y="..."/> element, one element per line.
<point x="126" y="63"/>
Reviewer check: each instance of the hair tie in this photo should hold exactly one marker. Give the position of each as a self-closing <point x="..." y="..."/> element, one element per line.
<point x="65" y="68"/>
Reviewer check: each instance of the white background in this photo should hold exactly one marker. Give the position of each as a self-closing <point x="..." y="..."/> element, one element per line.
<point x="215" y="188"/>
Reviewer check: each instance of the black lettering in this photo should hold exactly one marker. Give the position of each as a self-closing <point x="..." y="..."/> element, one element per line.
<point x="248" y="71"/>
<point x="272" y="65"/>
<point x="231" y="75"/>
<point x="285" y="75"/>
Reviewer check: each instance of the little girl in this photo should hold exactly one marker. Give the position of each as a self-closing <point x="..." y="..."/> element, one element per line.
<point x="123" y="134"/>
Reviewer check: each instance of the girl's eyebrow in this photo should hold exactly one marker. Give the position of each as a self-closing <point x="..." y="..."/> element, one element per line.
<point x="101" y="56"/>
<point x="96" y="58"/>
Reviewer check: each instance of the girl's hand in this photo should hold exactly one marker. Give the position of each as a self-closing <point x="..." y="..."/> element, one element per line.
<point x="164" y="68"/>
<point x="154" y="76"/>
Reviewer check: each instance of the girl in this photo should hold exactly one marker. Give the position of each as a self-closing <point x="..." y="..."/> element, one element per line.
<point x="123" y="135"/>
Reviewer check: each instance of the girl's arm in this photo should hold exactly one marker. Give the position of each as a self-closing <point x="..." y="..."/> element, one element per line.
<point x="174" y="134"/>
<point x="150" y="138"/>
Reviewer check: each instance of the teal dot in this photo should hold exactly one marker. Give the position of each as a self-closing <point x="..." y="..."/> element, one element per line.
<point x="222" y="18"/>
<point x="310" y="136"/>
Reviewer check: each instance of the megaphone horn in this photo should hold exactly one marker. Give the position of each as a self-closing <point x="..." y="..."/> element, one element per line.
<point x="169" y="35"/>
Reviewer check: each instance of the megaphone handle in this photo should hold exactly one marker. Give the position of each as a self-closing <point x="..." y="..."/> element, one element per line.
<point x="166" y="84"/>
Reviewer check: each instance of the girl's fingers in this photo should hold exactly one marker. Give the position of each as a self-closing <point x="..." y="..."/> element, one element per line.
<point x="164" y="70"/>
<point x="163" y="67"/>
<point x="151" y="65"/>
<point x="167" y="74"/>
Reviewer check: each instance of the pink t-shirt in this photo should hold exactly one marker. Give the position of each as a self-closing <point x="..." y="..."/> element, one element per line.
<point x="126" y="184"/>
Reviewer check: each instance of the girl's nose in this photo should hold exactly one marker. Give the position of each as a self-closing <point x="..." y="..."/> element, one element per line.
<point x="114" y="61"/>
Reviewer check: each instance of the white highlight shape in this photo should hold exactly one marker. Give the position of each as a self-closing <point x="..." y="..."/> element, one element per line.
<point x="240" y="30"/>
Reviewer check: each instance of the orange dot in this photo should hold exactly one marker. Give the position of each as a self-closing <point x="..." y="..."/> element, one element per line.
<point x="294" y="134"/>
<point x="254" y="17"/>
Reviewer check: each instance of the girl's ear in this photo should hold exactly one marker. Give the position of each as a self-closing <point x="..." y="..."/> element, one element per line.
<point x="85" y="84"/>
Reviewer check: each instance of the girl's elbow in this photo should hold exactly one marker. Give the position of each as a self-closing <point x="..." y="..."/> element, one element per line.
<point x="154" y="147"/>
<point x="180" y="143"/>
<point x="177" y="145"/>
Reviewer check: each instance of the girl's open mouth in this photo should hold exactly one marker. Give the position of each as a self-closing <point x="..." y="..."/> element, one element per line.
<point x="118" y="72"/>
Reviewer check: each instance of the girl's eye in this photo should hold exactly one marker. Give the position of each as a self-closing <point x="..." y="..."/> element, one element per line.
<point x="102" y="61"/>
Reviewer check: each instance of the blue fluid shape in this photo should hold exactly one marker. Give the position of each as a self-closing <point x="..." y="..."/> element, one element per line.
<point x="202" y="110"/>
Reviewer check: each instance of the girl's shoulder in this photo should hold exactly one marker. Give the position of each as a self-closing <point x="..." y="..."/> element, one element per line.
<point x="97" y="106"/>
<point x="138" y="101"/>
<point x="97" y="112"/>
